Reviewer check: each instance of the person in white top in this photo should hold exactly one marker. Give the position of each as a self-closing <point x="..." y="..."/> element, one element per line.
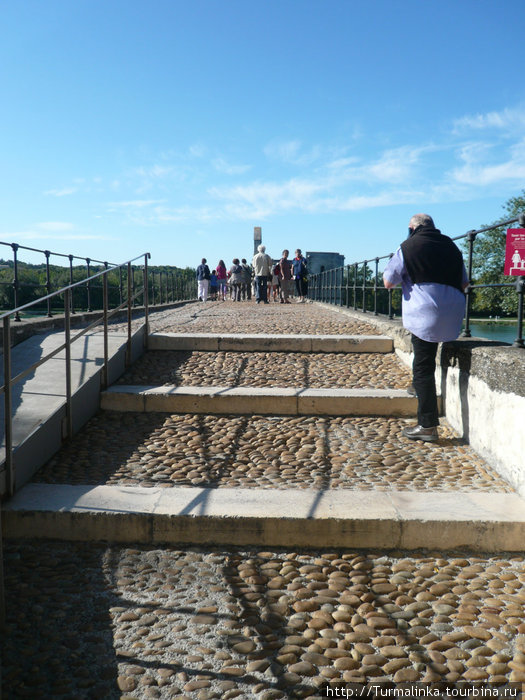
<point x="262" y="269"/>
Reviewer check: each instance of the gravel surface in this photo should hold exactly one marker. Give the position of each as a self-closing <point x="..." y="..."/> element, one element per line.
<point x="92" y="621"/>
<point x="270" y="369"/>
<point x="155" y="449"/>
<point x="249" y="317"/>
<point x="216" y="623"/>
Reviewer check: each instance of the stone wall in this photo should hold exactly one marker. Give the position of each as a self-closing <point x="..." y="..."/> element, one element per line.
<point x="482" y="384"/>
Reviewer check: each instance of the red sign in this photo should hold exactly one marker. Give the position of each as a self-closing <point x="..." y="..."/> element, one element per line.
<point x="515" y="252"/>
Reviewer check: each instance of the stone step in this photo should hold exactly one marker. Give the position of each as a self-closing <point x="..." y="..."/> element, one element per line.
<point x="265" y="342"/>
<point x="264" y="401"/>
<point x="489" y="522"/>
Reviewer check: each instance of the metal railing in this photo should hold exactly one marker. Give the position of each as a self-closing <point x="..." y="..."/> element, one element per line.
<point x="165" y="286"/>
<point x="361" y="287"/>
<point x="133" y="292"/>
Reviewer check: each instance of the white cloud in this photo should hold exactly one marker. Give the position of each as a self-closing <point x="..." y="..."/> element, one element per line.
<point x="476" y="171"/>
<point x="197" y="150"/>
<point x="136" y="203"/>
<point x="222" y="166"/>
<point x="153" y="171"/>
<point x="509" y="119"/>
<point x="64" y="192"/>
<point x="285" y="151"/>
<point x="55" y="226"/>
<point x="41" y="236"/>
<point x="260" y="199"/>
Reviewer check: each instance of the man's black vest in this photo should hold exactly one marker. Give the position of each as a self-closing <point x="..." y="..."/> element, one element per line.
<point x="432" y="257"/>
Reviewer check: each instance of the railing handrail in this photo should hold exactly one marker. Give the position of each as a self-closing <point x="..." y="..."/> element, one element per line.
<point x="58" y="255"/>
<point x="81" y="283"/>
<point x="325" y="290"/>
<point x="473" y="233"/>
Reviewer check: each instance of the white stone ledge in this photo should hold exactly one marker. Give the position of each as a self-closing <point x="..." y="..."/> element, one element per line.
<point x="265" y="342"/>
<point x="265" y="401"/>
<point x="287" y="517"/>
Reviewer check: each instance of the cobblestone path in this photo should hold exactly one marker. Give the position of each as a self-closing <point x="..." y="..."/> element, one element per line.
<point x="107" y="621"/>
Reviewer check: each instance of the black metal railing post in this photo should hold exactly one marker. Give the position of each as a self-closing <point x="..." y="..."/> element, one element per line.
<point x="16" y="281"/>
<point x="8" y="409"/>
<point x="390" y="293"/>
<point x="520" y="288"/>
<point x="129" y="315"/>
<point x="471" y="237"/>
<point x="88" y="283"/>
<point x="146" y="301"/>
<point x="347" y="286"/>
<point x="67" y="340"/>
<point x="355" y="286"/>
<point x="47" y="253"/>
<point x="120" y="286"/>
<point x="375" y="286"/>
<point x="105" y="379"/>
<point x="364" y="285"/>
<point x="71" y="281"/>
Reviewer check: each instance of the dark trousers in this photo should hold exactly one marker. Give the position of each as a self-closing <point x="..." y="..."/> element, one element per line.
<point x="261" y="288"/>
<point x="423" y="368"/>
<point x="236" y="291"/>
<point x="301" y="287"/>
<point x="246" y="288"/>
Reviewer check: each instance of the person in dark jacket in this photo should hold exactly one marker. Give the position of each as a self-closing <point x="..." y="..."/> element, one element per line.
<point x="429" y="266"/>
<point x="203" y="280"/>
<point x="300" y="273"/>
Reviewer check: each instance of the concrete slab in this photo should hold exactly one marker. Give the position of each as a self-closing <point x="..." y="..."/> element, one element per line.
<point x="270" y="342"/>
<point x="288" y="517"/>
<point x="356" y="402"/>
<point x="264" y="401"/>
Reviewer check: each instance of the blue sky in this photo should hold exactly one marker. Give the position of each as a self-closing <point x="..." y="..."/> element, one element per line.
<point x="176" y="127"/>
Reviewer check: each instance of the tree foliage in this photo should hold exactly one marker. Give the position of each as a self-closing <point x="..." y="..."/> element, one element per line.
<point x="176" y="283"/>
<point x="487" y="265"/>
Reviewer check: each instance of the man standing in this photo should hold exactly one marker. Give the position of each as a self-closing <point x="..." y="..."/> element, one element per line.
<point x="247" y="280"/>
<point x="299" y="272"/>
<point x="286" y="277"/>
<point x="262" y="269"/>
<point x="203" y="280"/>
<point x="430" y="269"/>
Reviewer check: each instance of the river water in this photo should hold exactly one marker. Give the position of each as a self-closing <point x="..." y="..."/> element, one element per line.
<point x="494" y="331"/>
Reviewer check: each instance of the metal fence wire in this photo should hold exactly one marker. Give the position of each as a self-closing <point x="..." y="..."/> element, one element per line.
<point x="360" y="285"/>
<point x="87" y="292"/>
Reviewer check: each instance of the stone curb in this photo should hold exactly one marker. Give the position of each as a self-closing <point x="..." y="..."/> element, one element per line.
<point x="270" y="343"/>
<point x="263" y="401"/>
<point x="489" y="522"/>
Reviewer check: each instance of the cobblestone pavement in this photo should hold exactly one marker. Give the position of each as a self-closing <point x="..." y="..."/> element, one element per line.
<point x="269" y="369"/>
<point x="152" y="449"/>
<point x="249" y="317"/>
<point x="92" y="621"/>
<point x="218" y="623"/>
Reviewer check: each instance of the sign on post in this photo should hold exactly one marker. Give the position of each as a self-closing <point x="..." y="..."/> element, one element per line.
<point x="515" y="252"/>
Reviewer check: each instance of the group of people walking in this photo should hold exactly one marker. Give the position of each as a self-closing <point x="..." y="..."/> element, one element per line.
<point x="221" y="284"/>
<point x="268" y="278"/>
<point x="430" y="269"/>
<point x="279" y="276"/>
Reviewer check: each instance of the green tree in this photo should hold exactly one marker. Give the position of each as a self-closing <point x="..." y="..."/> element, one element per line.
<point x="487" y="265"/>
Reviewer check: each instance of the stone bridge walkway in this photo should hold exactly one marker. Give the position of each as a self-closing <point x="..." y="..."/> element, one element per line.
<point x="337" y="601"/>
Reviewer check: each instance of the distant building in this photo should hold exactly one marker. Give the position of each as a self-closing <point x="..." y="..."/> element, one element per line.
<point x="319" y="262"/>
<point x="257" y="238"/>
